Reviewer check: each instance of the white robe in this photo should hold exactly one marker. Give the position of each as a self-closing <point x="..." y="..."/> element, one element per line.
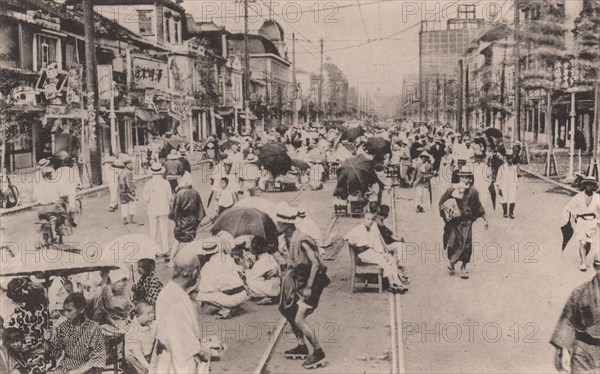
<point x="508" y="177"/>
<point x="584" y="229"/>
<point x="178" y="330"/>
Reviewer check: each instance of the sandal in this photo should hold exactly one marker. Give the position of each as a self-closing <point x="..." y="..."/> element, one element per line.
<point x="266" y="301"/>
<point x="225" y="315"/>
<point x="464" y="274"/>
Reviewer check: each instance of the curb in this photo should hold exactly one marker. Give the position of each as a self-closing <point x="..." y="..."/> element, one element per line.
<point x="85" y="193"/>
<point x="551" y="181"/>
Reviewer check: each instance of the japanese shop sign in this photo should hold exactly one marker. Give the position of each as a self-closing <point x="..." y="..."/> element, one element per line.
<point x="150" y="74"/>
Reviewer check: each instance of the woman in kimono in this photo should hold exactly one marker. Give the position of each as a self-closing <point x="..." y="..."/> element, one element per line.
<point x="460" y="206"/>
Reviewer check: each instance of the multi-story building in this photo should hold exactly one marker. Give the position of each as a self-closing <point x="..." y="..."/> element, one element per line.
<point x="440" y="48"/>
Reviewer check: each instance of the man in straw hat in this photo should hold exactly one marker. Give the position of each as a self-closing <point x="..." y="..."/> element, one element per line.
<point x="302" y="284"/>
<point x="577" y="333"/>
<point x="158" y="196"/>
<point x="460" y="206"/>
<point x="111" y="172"/>
<point x="422" y="180"/>
<point x="127" y="191"/>
<point x="178" y="348"/>
<point x="583" y="210"/>
<point x="173" y="169"/>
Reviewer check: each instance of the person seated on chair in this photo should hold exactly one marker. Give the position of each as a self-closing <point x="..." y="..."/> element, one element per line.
<point x="390" y="239"/>
<point x="262" y="272"/>
<point x="221" y="284"/>
<point x="139" y="339"/>
<point x="112" y="306"/>
<point x="367" y="239"/>
<point x="78" y="340"/>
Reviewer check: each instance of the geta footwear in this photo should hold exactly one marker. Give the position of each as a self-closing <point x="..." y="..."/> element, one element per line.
<point x="224" y="314"/>
<point x="266" y="301"/>
<point x="451" y="269"/>
<point x="464" y="274"/>
<point x="583" y="267"/>
<point x="315" y="360"/>
<point x="298" y="353"/>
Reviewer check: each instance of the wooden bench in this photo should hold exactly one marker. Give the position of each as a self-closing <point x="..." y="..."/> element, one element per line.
<point x="360" y="272"/>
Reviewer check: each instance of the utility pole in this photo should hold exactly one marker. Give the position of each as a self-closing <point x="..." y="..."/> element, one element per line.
<point x="320" y="84"/>
<point x="517" y="83"/>
<point x="93" y="133"/>
<point x="295" y="88"/>
<point x="246" y="72"/>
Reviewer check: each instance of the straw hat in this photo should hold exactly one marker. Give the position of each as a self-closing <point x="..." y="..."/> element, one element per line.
<point x="285" y="213"/>
<point x="589" y="180"/>
<point x="425" y="154"/>
<point x="173" y="155"/>
<point x="465" y="171"/>
<point x="157" y="168"/>
<point x="251" y="158"/>
<point x="211" y="139"/>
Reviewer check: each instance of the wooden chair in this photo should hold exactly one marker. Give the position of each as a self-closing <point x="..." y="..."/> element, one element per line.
<point x="340" y="210"/>
<point x="357" y="208"/>
<point x="361" y="270"/>
<point x="115" y="347"/>
<point x="392" y="171"/>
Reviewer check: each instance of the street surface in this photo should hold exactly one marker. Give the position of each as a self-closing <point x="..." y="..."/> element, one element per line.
<point x="500" y="320"/>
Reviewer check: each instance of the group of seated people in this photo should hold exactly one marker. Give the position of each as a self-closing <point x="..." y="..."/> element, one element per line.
<point x="377" y="244"/>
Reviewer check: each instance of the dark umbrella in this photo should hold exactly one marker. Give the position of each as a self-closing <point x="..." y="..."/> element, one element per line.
<point x="228" y="144"/>
<point x="567" y="233"/>
<point x="492" y="132"/>
<point x="356" y="173"/>
<point x="281" y="129"/>
<point x="352" y="134"/>
<point x="246" y="221"/>
<point x="299" y="164"/>
<point x="492" y="190"/>
<point x="274" y="157"/>
<point x="378" y="147"/>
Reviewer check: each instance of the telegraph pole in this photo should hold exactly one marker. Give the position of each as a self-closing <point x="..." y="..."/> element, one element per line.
<point x="517" y="81"/>
<point x="320" y="85"/>
<point x="295" y="88"/>
<point x="93" y="133"/>
<point x="247" y="71"/>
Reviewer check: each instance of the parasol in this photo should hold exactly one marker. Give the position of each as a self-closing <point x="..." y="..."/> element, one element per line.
<point x="352" y="134"/>
<point x="310" y="227"/>
<point x="378" y="147"/>
<point x="299" y="164"/>
<point x="53" y="262"/>
<point x="281" y="129"/>
<point x="246" y="221"/>
<point x="258" y="203"/>
<point x="316" y="155"/>
<point x="228" y="144"/>
<point x="492" y="132"/>
<point x="274" y="158"/>
<point x="356" y="173"/>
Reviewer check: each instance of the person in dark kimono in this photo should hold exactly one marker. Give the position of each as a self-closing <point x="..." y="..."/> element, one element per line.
<point x="438" y="151"/>
<point x="187" y="211"/>
<point x="577" y="333"/>
<point x="459" y="216"/>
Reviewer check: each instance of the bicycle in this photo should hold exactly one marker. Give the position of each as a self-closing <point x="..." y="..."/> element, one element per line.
<point x="47" y="228"/>
<point x="9" y="197"/>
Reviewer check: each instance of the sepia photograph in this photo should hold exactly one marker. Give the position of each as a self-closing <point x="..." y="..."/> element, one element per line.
<point x="296" y="186"/>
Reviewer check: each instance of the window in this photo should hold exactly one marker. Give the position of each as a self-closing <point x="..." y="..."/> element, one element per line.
<point x="176" y="32"/>
<point x="466" y="11"/>
<point x="145" y="22"/>
<point x="46" y="52"/>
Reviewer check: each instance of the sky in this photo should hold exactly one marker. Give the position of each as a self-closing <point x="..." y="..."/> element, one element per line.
<point x="374" y="42"/>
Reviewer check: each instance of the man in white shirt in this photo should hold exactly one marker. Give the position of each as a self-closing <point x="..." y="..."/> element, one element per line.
<point x="48" y="195"/>
<point x="366" y="236"/>
<point x="158" y="195"/>
<point x="179" y="349"/>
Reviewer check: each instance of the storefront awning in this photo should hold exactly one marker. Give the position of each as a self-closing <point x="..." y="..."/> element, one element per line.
<point x="147" y="115"/>
<point x="225" y="112"/>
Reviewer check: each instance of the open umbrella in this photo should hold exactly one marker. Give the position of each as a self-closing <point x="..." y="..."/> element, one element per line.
<point x="492" y="132"/>
<point x="258" y="203"/>
<point x="352" y="134"/>
<point x="316" y="155"/>
<point x="228" y="144"/>
<point x="281" y="129"/>
<point x="129" y="248"/>
<point x="274" y="157"/>
<point x="54" y="262"/>
<point x="378" y="147"/>
<point x="246" y="221"/>
<point x="299" y="164"/>
<point x="356" y="173"/>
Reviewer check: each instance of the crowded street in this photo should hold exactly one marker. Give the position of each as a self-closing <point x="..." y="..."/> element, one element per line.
<point x="196" y="187"/>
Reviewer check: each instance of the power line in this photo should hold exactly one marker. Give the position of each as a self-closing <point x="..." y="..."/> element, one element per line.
<point x="362" y="18"/>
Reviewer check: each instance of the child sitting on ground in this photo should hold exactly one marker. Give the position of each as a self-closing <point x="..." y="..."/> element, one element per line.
<point x="149" y="286"/>
<point x="139" y="339"/>
<point x="11" y="358"/>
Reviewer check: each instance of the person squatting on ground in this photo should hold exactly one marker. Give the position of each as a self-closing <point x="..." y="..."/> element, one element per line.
<point x="460" y="206"/>
<point x="303" y="281"/>
<point x="577" y="333"/>
<point x="583" y="210"/>
<point x="139" y="339"/>
<point x="127" y="192"/>
<point x="157" y="194"/>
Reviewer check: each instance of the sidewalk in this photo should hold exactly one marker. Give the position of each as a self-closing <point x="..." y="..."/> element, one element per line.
<point x="25" y="180"/>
